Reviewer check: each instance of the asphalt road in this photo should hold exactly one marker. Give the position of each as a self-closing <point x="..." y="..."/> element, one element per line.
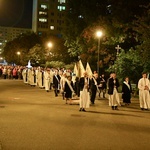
<point x="33" y="119"/>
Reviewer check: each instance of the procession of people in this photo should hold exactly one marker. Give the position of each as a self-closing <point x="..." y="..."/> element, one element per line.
<point x="85" y="89"/>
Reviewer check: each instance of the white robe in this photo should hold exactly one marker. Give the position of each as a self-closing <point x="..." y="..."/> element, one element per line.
<point x="114" y="99"/>
<point x="32" y="77"/>
<point x="47" y="81"/>
<point x="84" y="98"/>
<point x="25" y="75"/>
<point x="40" y="80"/>
<point x="144" y="95"/>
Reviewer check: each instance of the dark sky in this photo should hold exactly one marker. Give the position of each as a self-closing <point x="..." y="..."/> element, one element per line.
<point x="16" y="13"/>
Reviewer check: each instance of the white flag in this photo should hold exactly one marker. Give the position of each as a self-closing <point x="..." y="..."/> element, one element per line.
<point x="88" y="70"/>
<point x="81" y="69"/>
<point x="75" y="70"/>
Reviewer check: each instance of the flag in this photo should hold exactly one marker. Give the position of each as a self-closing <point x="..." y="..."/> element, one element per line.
<point x="75" y="73"/>
<point x="88" y="70"/>
<point x="81" y="69"/>
<point x="75" y="70"/>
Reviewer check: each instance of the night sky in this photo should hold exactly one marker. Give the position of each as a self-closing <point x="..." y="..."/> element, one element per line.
<point x="16" y="13"/>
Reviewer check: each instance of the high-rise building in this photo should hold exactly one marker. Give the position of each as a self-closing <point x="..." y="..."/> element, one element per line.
<point x="49" y="17"/>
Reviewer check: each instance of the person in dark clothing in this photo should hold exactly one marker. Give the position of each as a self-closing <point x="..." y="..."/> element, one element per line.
<point x="68" y="89"/>
<point x="102" y="87"/>
<point x="76" y="86"/>
<point x="56" y="83"/>
<point x="95" y="81"/>
<point x="126" y="91"/>
<point x="113" y="84"/>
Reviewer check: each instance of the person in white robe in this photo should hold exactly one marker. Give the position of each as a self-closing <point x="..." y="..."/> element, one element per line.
<point x="144" y="89"/>
<point x="84" y="92"/>
<point x="40" y="78"/>
<point x="25" y="75"/>
<point x="29" y="75"/>
<point x="47" y="80"/>
<point x="33" y="77"/>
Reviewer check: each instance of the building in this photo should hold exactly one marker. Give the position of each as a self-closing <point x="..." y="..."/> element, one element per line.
<point x="8" y="34"/>
<point x="49" y="17"/>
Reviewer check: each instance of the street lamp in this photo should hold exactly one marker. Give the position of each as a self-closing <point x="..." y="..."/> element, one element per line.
<point x="49" y="46"/>
<point x="18" y="53"/>
<point x="98" y="34"/>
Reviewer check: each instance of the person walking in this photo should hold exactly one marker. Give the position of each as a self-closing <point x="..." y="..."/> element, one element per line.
<point x="84" y="92"/>
<point x="56" y="83"/>
<point x="68" y="90"/>
<point x="113" y="85"/>
<point x="47" y="79"/>
<point x="95" y="81"/>
<point x="102" y="87"/>
<point x="126" y="91"/>
<point x="144" y="95"/>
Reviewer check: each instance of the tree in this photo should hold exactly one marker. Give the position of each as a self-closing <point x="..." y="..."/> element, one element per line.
<point x="114" y="16"/>
<point x="36" y="55"/>
<point x="127" y="64"/>
<point x="142" y="28"/>
<point x="22" y="43"/>
<point x="58" y="51"/>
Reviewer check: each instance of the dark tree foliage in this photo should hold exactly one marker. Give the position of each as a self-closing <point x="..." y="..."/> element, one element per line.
<point x="115" y="17"/>
<point x="21" y="44"/>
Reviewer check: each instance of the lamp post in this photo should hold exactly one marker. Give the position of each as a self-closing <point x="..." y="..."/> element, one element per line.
<point x="18" y="53"/>
<point x="49" y="46"/>
<point x="98" y="34"/>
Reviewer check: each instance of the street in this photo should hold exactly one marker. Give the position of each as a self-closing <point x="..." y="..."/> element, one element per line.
<point x="33" y="119"/>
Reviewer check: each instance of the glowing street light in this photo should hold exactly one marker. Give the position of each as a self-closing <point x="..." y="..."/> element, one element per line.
<point x="18" y="53"/>
<point x="49" y="44"/>
<point x="99" y="35"/>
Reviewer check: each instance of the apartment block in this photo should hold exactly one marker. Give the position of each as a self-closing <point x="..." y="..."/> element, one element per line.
<point x="49" y="17"/>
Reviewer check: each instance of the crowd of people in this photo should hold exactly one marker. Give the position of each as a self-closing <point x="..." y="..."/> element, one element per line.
<point x="85" y="88"/>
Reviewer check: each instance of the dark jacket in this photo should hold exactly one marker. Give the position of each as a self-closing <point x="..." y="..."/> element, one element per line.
<point x="92" y="83"/>
<point x="56" y="81"/>
<point x="126" y="96"/>
<point x="82" y="82"/>
<point x="111" y="85"/>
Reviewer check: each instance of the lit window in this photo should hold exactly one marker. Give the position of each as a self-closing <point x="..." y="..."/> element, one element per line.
<point x="80" y="16"/>
<point x="40" y="33"/>
<point x="61" y="1"/>
<point x="42" y="13"/>
<point x="52" y="27"/>
<point x="44" y="6"/>
<point x="60" y="8"/>
<point x="42" y="20"/>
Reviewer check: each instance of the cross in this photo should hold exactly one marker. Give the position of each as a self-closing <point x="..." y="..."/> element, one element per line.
<point x="118" y="48"/>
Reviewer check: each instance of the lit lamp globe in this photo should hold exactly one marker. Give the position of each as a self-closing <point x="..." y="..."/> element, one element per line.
<point x="18" y="53"/>
<point x="99" y="33"/>
<point x="49" y="44"/>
